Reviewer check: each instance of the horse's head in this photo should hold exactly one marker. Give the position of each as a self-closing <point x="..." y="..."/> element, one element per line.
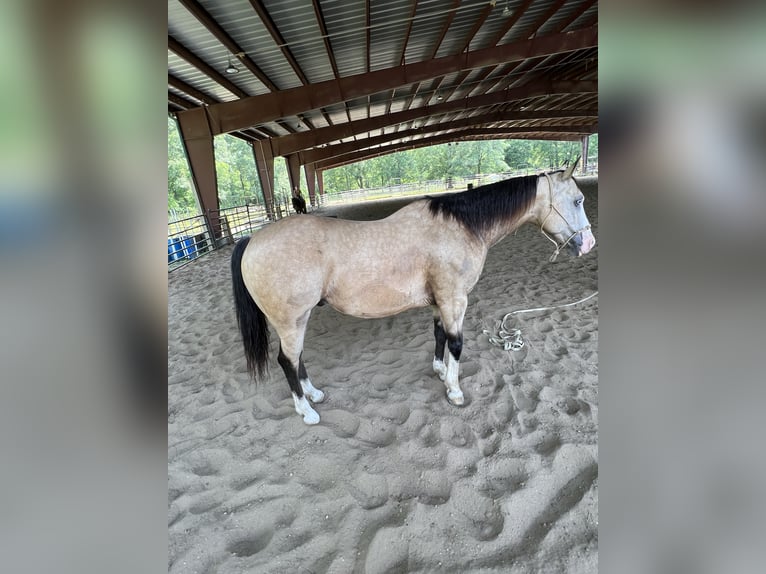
<point x="560" y="213"/>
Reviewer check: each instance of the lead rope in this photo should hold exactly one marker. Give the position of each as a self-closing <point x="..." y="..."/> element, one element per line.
<point x="510" y="339"/>
<point x="551" y="210"/>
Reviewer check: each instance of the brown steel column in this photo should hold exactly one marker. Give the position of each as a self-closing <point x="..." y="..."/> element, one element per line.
<point x="264" y="163"/>
<point x="584" y="166"/>
<point x="293" y="171"/>
<point x="197" y="140"/>
<point x="320" y="182"/>
<point x="310" y="182"/>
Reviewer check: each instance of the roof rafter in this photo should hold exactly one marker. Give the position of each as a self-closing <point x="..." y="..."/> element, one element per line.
<point x="320" y="154"/>
<point x="254" y="110"/>
<point x="179" y="84"/>
<point x="271" y="27"/>
<point x="296" y="142"/>
<point x="181" y="51"/>
<point x="215" y="29"/>
<point x="409" y="30"/>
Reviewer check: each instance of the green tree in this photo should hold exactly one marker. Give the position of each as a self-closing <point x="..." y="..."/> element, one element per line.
<point x="181" y="195"/>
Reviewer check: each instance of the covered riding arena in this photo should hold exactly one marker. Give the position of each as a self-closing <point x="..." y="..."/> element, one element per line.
<point x="394" y="478"/>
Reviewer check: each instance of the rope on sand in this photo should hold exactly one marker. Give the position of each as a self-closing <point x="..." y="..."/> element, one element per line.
<point x="510" y="339"/>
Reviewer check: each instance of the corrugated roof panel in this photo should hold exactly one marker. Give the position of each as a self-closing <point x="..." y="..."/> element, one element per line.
<point x="494" y="24"/>
<point x="185" y="28"/>
<point x="465" y="18"/>
<point x="429" y="19"/>
<point x="377" y="110"/>
<point x="388" y="21"/>
<point x="298" y="25"/>
<point x="521" y="29"/>
<point x="183" y="95"/>
<point x="565" y="13"/>
<point x="184" y="71"/>
<point x="345" y="23"/>
<point x="242" y="23"/>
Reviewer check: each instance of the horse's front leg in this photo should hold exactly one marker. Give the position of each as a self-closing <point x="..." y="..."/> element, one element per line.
<point x="314" y="394"/>
<point x="454" y="393"/>
<point x="441" y="340"/>
<point x="452" y="315"/>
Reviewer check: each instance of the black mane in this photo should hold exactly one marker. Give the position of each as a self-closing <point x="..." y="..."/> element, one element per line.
<point x="480" y="209"/>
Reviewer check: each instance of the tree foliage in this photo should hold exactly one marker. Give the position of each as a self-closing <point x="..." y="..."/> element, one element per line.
<point x="237" y="179"/>
<point x="181" y="195"/>
<point x="238" y="182"/>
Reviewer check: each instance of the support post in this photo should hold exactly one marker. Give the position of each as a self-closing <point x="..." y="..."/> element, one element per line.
<point x="584" y="166"/>
<point x="264" y="164"/>
<point x="197" y="140"/>
<point x="310" y="182"/>
<point x="293" y="172"/>
<point x="320" y="182"/>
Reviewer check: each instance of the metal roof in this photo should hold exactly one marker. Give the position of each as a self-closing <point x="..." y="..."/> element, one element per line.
<point x="315" y="72"/>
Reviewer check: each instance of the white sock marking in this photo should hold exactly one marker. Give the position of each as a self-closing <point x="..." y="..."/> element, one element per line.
<point x="440" y="368"/>
<point x="309" y="390"/>
<point x="454" y="394"/>
<point x="303" y="408"/>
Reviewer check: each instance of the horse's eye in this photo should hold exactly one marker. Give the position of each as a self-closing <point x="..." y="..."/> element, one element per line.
<point x="578" y="201"/>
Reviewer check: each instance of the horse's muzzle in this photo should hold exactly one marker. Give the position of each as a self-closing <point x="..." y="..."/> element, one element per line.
<point x="583" y="242"/>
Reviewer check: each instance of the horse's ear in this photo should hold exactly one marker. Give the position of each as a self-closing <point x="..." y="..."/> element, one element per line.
<point x="570" y="170"/>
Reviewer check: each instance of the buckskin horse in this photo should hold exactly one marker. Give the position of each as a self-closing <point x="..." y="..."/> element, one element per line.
<point x="429" y="253"/>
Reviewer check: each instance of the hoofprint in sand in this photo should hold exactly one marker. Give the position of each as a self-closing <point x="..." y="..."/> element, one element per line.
<point x="394" y="478"/>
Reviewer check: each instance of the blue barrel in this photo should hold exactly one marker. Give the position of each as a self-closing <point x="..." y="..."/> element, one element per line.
<point x="190" y="247"/>
<point x="175" y="249"/>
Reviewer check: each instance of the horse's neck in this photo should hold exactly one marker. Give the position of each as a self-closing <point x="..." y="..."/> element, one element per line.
<point x="503" y="229"/>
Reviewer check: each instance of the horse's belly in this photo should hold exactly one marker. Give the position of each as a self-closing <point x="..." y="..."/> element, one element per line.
<point x="377" y="300"/>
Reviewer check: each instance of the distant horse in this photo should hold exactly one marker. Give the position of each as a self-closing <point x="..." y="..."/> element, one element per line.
<point x="430" y="252"/>
<point x="299" y="204"/>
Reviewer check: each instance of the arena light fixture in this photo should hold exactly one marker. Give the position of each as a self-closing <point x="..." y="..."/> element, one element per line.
<point x="231" y="68"/>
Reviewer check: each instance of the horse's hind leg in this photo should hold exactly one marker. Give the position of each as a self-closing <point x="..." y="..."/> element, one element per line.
<point x="290" y="350"/>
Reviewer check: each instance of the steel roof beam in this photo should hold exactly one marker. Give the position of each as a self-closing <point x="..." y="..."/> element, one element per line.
<point x="325" y="36"/>
<point x="478" y="24"/>
<point x="216" y="30"/>
<point x="181" y="102"/>
<point x="271" y="27"/>
<point x="580" y="11"/>
<point x="179" y="84"/>
<point x="409" y="31"/>
<point x="328" y="47"/>
<point x="305" y="140"/>
<point x="181" y="51"/>
<point x="451" y="11"/>
<point x="254" y="110"/>
<point x="320" y="154"/>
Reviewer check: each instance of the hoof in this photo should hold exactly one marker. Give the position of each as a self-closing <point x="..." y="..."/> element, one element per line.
<point x="316" y="396"/>
<point x="311" y="418"/>
<point x="456" y="398"/>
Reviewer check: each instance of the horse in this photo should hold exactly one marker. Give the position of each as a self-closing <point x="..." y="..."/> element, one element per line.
<point x="299" y="204"/>
<point x="428" y="253"/>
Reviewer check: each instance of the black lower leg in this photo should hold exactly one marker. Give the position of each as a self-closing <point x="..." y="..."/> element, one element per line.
<point x="441" y="338"/>
<point x="455" y="345"/>
<point x="302" y="374"/>
<point x="291" y="373"/>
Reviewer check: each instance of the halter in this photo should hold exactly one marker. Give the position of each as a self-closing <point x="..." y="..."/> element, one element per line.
<point x="551" y="210"/>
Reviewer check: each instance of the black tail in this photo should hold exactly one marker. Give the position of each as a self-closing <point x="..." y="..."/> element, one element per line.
<point x="252" y="321"/>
